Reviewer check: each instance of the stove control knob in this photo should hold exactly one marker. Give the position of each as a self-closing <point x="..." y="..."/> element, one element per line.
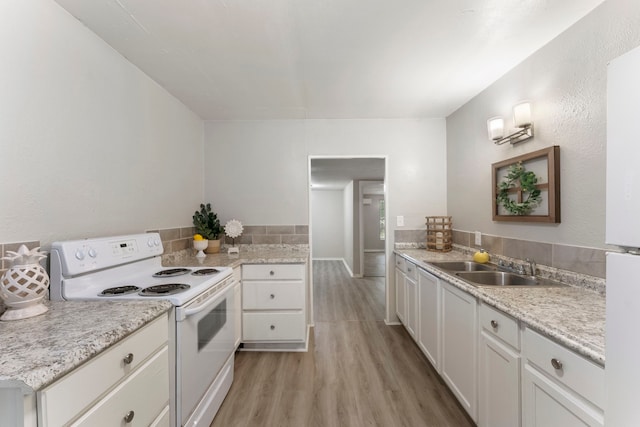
<point x="150" y="242"/>
<point x="156" y="242"/>
<point x="79" y="255"/>
<point x="93" y="253"/>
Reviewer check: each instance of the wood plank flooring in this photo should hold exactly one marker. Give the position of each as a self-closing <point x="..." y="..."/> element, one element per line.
<point x="374" y="264"/>
<point x="357" y="372"/>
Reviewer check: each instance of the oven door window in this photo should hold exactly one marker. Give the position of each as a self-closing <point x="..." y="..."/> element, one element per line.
<point x="211" y="324"/>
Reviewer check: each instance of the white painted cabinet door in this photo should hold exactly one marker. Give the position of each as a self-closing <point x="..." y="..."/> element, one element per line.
<point x="459" y="346"/>
<point x="548" y="404"/>
<point x="400" y="295"/>
<point x="429" y="317"/>
<point x="499" y="384"/>
<point x="411" y="306"/>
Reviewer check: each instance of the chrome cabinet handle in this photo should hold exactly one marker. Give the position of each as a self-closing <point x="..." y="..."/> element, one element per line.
<point x="128" y="359"/>
<point x="556" y="363"/>
<point x="129" y="416"/>
<point x="272" y="296"/>
<point x="494" y="324"/>
<point x="271" y="273"/>
<point x="272" y="327"/>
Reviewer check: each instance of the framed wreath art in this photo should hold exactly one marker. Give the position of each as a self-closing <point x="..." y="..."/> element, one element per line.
<point x="527" y="188"/>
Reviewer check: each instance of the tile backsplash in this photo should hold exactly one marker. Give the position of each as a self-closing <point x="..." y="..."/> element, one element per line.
<point x="177" y="239"/>
<point x="578" y="259"/>
<point x="589" y="261"/>
<point x="272" y="235"/>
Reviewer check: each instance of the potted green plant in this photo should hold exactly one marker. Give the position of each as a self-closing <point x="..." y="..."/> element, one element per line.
<point x="207" y="224"/>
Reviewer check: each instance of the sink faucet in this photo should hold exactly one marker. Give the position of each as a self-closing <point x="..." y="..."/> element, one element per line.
<point x="502" y="265"/>
<point x="532" y="267"/>
<point x="519" y="269"/>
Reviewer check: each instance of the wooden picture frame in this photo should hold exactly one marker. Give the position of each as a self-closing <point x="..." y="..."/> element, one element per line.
<point x="546" y="165"/>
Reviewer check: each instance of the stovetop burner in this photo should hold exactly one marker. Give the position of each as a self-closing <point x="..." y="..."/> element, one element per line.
<point x="164" y="289"/>
<point x="119" y="290"/>
<point x="171" y="272"/>
<point x="205" y="272"/>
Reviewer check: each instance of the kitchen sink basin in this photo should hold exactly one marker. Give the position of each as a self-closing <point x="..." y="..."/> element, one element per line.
<point x="501" y="278"/>
<point x="462" y="266"/>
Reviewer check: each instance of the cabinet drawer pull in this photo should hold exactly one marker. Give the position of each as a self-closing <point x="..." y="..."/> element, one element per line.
<point x="556" y="363"/>
<point x="271" y="273"/>
<point x="409" y="270"/>
<point x="128" y="359"/>
<point x="272" y="296"/>
<point x="494" y="324"/>
<point x="129" y="416"/>
<point x="272" y="327"/>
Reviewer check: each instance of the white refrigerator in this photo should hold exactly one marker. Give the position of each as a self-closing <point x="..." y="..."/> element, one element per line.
<point x="622" y="365"/>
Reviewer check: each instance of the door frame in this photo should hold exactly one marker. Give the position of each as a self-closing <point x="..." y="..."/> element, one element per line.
<point x="388" y="246"/>
<point x="361" y="222"/>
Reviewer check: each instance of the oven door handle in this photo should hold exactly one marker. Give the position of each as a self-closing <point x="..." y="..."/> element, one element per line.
<point x="184" y="312"/>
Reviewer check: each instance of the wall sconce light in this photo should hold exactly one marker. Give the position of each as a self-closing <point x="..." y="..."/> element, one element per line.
<point x="521" y="120"/>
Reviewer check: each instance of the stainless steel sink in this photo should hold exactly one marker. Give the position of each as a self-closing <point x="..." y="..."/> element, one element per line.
<point x="462" y="266"/>
<point x="501" y="278"/>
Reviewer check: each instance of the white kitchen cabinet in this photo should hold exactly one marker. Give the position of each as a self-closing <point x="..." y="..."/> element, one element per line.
<point x="499" y="369"/>
<point x="273" y="306"/>
<point x="401" y="301"/>
<point x="560" y="388"/>
<point x="429" y="317"/>
<point x="237" y="313"/>
<point x="459" y="345"/>
<point x="128" y="381"/>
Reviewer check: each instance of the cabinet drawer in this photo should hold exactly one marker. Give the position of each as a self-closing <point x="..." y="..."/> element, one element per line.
<point x="500" y="325"/>
<point x="579" y="374"/>
<point x="411" y="270"/>
<point x="273" y="326"/>
<point x="145" y="393"/>
<point x="69" y="396"/>
<point x="401" y="264"/>
<point x="273" y="271"/>
<point x="273" y="295"/>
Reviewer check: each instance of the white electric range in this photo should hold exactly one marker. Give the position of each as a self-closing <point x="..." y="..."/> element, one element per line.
<point x="201" y="327"/>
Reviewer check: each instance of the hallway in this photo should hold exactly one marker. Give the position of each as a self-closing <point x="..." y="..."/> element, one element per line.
<point x="357" y="372"/>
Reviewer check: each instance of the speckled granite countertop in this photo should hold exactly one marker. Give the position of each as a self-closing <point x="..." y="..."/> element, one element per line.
<point x="263" y="256"/>
<point x="35" y="352"/>
<point x="573" y="316"/>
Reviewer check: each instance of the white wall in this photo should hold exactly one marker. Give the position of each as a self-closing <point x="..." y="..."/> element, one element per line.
<point x="566" y="81"/>
<point x="257" y="170"/>
<point x="90" y="145"/>
<point x="327" y="213"/>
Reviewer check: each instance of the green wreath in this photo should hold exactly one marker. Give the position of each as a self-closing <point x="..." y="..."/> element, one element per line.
<point x="528" y="181"/>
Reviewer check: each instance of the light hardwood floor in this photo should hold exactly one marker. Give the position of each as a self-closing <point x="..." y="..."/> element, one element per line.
<point x="357" y="372"/>
<point x="374" y="264"/>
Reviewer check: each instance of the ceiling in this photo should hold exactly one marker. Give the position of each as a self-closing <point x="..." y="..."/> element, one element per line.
<point x="296" y="59"/>
<point x="333" y="174"/>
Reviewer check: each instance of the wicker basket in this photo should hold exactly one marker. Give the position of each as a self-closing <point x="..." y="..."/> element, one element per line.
<point x="439" y="233"/>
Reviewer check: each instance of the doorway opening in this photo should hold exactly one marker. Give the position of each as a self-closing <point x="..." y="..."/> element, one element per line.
<point x="348" y="215"/>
